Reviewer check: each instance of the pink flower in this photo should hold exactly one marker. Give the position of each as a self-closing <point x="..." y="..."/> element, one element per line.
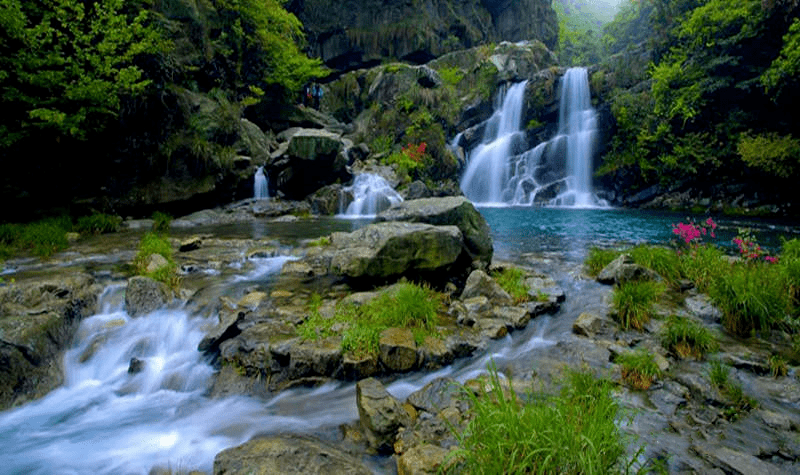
<point x="771" y="259"/>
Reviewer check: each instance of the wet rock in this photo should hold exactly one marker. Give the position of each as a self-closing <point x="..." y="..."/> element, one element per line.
<point x="733" y="462"/>
<point x="421" y="460"/>
<point x="516" y="317"/>
<point x="753" y="366"/>
<point x="135" y="366"/>
<point x="541" y="286"/>
<point x="155" y="262"/>
<point x="434" y="353"/>
<point x="190" y="244"/>
<point x="492" y="328"/>
<point x="315" y="358"/>
<point x="252" y="300"/>
<point x="623" y="269"/>
<point x="455" y="210"/>
<point x="480" y="284"/>
<point x="437" y="395"/>
<point x="701" y="307"/>
<point x="416" y="190"/>
<point x="289" y="455"/>
<point x="380" y="414"/>
<point x="144" y="295"/>
<point x="398" y="352"/>
<point x="355" y="368"/>
<point x="591" y="325"/>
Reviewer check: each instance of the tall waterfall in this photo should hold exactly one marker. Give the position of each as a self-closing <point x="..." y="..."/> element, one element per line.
<point x="260" y="190"/>
<point x="558" y="172"/>
<point x="371" y="195"/>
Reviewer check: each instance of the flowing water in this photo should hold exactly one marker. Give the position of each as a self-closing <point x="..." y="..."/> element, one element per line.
<point x="503" y="170"/>
<point x="371" y="195"/>
<point x="260" y="188"/>
<point x="105" y="420"/>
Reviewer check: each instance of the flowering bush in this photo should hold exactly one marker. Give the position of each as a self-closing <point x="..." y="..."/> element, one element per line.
<point x="692" y="234"/>
<point x="749" y="249"/>
<point x="408" y="160"/>
<point x="415" y="152"/>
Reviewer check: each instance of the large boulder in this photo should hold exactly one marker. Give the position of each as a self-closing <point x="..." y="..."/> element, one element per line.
<point x="144" y="295"/>
<point x="624" y="269"/>
<point x="454" y="210"/>
<point x="37" y="322"/>
<point x="287" y="455"/>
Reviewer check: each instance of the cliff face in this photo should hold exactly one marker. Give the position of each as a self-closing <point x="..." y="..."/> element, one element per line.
<point x="348" y="34"/>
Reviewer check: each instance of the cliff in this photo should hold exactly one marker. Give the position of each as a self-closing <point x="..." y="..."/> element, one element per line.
<point x="351" y="34"/>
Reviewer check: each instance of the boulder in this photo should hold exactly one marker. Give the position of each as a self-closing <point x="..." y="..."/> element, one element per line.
<point x="380" y="414"/>
<point x="454" y="210"/>
<point x="38" y="320"/>
<point x="144" y="295"/>
<point x="590" y="325"/>
<point x="437" y="395"/>
<point x="385" y="250"/>
<point x="421" y="460"/>
<point x="190" y="244"/>
<point x="312" y="159"/>
<point x="623" y="269"/>
<point x="286" y="455"/>
<point x="398" y="352"/>
<point x="480" y="284"/>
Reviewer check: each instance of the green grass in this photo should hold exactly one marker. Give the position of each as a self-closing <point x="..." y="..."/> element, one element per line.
<point x="633" y="303"/>
<point x="662" y="260"/>
<point x="98" y="223"/>
<point x="598" y="259"/>
<point x="703" y="265"/>
<point x="639" y="369"/>
<point x="778" y="366"/>
<point x="41" y="238"/>
<point x="687" y="338"/>
<point x="153" y="243"/>
<point x="512" y="280"/>
<point x="320" y="242"/>
<point x="403" y="305"/>
<point x="572" y="431"/>
<point x="161" y="222"/>
<point x="719" y="375"/>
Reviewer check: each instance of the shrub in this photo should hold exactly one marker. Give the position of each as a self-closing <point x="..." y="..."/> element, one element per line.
<point x="161" y="222"/>
<point x="598" y="259"/>
<point x="99" y="223"/>
<point x="573" y="431"/>
<point x="639" y="369"/>
<point x="686" y="338"/>
<point x="512" y="280"/>
<point x="633" y="302"/>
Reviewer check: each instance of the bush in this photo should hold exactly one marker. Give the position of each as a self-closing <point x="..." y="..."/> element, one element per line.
<point x="639" y="369"/>
<point x="161" y="222"/>
<point x="512" y="280"/>
<point x="633" y="303"/>
<point x="98" y="223"/>
<point x="685" y="338"/>
<point x="573" y="431"/>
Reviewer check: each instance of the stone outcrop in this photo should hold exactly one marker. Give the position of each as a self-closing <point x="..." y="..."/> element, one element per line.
<point x="351" y="34"/>
<point x="144" y="295"/>
<point x="37" y="323"/>
<point x="287" y="455"/>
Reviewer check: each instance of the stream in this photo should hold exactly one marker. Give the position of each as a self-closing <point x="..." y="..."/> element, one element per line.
<point x="105" y="419"/>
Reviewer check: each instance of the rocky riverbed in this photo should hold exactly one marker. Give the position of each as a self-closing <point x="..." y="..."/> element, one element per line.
<point x="683" y="423"/>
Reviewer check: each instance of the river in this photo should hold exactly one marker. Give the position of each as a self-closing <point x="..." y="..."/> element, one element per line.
<point x="107" y="420"/>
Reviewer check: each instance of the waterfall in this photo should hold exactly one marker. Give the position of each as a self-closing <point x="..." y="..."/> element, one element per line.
<point x="260" y="189"/>
<point x="371" y="195"/>
<point x="558" y="172"/>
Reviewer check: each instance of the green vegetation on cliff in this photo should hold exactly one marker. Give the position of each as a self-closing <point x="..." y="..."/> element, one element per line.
<point x="715" y="101"/>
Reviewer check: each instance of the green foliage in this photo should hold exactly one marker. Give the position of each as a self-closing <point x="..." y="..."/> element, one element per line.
<point x="161" y="222"/>
<point x="633" y="303"/>
<point x="639" y="369"/>
<point x="703" y="265"/>
<point x="738" y="402"/>
<point x="512" y="280"/>
<point x="573" y="431"/>
<point x="72" y="64"/>
<point x="660" y="259"/>
<point x="98" y="223"/>
<point x="771" y="153"/>
<point x="41" y="238"/>
<point x="451" y="76"/>
<point x="782" y="74"/>
<point x="154" y="243"/>
<point x="403" y="305"/>
<point x="320" y="242"/>
<point x="778" y="366"/>
<point x="687" y="338"/>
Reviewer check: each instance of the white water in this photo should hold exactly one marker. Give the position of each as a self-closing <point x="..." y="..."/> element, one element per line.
<point x="260" y="189"/>
<point x="557" y="172"/>
<point x="371" y="195"/>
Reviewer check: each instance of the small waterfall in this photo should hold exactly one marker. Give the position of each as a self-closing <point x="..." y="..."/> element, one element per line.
<point x="260" y="189"/>
<point x="558" y="172"/>
<point x="371" y="195"/>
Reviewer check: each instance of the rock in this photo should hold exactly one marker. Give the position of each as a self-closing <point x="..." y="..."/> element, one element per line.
<point x="701" y="307"/>
<point x="144" y="295"/>
<point x="623" y="269"/>
<point x="327" y="200"/>
<point x="190" y="244"/>
<point x="480" y="284"/>
<point x="591" y="325"/>
<point x="416" y="190"/>
<point x="398" y="352"/>
<point x="454" y="210"/>
<point x="734" y="462"/>
<point x="437" y="395"/>
<point x="287" y="455"/>
<point x="421" y="460"/>
<point x="393" y="249"/>
<point x="135" y="366"/>
<point x="252" y="300"/>
<point x="355" y="368"/>
<point x="313" y="159"/>
<point x="380" y="414"/>
<point x="517" y="317"/>
<point x="38" y="320"/>
<point x="155" y="262"/>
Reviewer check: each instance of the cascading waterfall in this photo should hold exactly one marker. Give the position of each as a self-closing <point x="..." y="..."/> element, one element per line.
<point x="557" y="172"/>
<point x="371" y="195"/>
<point x="260" y="189"/>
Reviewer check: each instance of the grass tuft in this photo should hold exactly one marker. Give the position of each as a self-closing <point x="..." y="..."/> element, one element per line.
<point x="633" y="303"/>
<point x="598" y="259"/>
<point x="512" y="280"/>
<point x="639" y="369"/>
<point x="98" y="223"/>
<point x="686" y="338"/>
